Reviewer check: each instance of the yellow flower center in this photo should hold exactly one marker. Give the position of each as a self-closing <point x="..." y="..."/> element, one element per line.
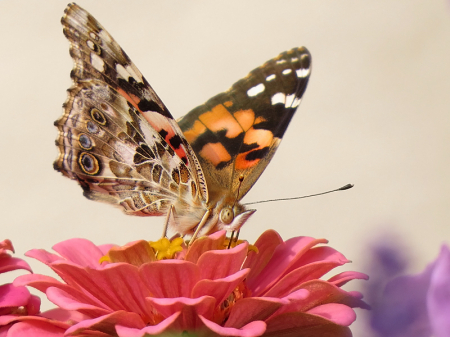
<point x="166" y="249"/>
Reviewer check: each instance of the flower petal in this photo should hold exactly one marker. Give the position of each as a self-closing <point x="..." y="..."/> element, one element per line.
<point x="118" y="286"/>
<point x="11" y="296"/>
<point x="9" y="263"/>
<point x="402" y="311"/>
<point x="217" y="264"/>
<point x="438" y="297"/>
<point x="285" y="255"/>
<point x="340" y="279"/>
<point x="266" y="244"/>
<point x="337" y="313"/>
<point x="251" y="309"/>
<point x="322" y="292"/>
<point x="68" y="302"/>
<point x="79" y="251"/>
<point x="43" y="256"/>
<point x="204" y="244"/>
<point x="301" y="324"/>
<point x="300" y="275"/>
<point x="219" y="289"/>
<point x="253" y="329"/>
<point x="6" y="245"/>
<point x="168" y="306"/>
<point x="170" y="278"/>
<point x="35" y="329"/>
<point x="107" y="324"/>
<point x="152" y="330"/>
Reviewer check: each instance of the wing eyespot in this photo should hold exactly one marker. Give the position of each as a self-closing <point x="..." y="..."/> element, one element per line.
<point x="98" y="116"/>
<point x="89" y="163"/>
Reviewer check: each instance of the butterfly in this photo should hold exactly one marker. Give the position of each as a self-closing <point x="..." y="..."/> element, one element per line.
<point x="120" y="142"/>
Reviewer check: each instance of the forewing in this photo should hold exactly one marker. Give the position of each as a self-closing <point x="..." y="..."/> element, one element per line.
<point x="116" y="137"/>
<point x="236" y="133"/>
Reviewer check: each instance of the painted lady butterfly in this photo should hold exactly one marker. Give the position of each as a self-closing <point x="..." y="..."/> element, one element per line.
<point x="119" y="141"/>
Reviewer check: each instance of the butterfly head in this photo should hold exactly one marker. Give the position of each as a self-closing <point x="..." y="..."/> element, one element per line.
<point x="231" y="217"/>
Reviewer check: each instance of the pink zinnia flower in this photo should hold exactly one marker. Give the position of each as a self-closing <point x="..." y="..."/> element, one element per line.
<point x="269" y="289"/>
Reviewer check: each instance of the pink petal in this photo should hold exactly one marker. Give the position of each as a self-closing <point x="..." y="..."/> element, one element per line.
<point x="300" y="324"/>
<point x="43" y="283"/>
<point x="219" y="289"/>
<point x="337" y="313"/>
<point x="294" y="301"/>
<point x="39" y="282"/>
<point x="117" y="286"/>
<point x="170" y="278"/>
<point x="152" y="330"/>
<point x="107" y="324"/>
<point x="43" y="256"/>
<point x="203" y="244"/>
<point x="266" y="244"/>
<point x="34" y="305"/>
<point x="79" y="251"/>
<point x="253" y="329"/>
<point x="68" y="302"/>
<point x="286" y="254"/>
<point x="35" y="329"/>
<point x="168" y="306"/>
<point x="11" y="296"/>
<point x="104" y="249"/>
<point x="319" y="254"/>
<point x="69" y="317"/>
<point x="252" y="309"/>
<point x="300" y="275"/>
<point x="7" y="319"/>
<point x="6" y="245"/>
<point x="9" y="263"/>
<point x="217" y="264"/>
<point x="322" y="292"/>
<point x="438" y="297"/>
<point x="340" y="279"/>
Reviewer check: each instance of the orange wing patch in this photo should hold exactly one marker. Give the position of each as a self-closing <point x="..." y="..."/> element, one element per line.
<point x="263" y="138"/>
<point x="219" y="118"/>
<point x="215" y="153"/>
<point x="246" y="118"/>
<point x="197" y="129"/>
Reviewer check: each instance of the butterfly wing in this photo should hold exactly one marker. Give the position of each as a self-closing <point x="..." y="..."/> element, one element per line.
<point x="116" y="137"/>
<point x="236" y="133"/>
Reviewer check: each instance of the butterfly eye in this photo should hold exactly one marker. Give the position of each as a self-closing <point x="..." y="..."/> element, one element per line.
<point x="226" y="215"/>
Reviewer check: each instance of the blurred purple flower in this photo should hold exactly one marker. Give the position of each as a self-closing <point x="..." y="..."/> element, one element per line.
<point x="410" y="305"/>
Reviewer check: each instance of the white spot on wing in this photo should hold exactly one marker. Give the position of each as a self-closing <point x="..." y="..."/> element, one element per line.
<point x="296" y="102"/>
<point x="294" y="59"/>
<point x="97" y="62"/>
<point x="289" y="99"/>
<point x="281" y="61"/>
<point x="270" y="77"/>
<point x="257" y="89"/>
<point x="286" y="71"/>
<point x="90" y="44"/>
<point x="122" y="72"/>
<point x="278" y="98"/>
<point x="302" y="72"/>
<point x="134" y="73"/>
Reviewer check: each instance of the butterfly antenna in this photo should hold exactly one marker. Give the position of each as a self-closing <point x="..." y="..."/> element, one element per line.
<point x="343" y="188"/>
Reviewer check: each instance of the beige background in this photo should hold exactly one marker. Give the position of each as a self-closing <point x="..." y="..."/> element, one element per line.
<point x="376" y="114"/>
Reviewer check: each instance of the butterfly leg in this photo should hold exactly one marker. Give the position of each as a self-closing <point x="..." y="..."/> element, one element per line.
<point x="200" y="226"/>
<point x="232" y="237"/>
<point x="166" y="225"/>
